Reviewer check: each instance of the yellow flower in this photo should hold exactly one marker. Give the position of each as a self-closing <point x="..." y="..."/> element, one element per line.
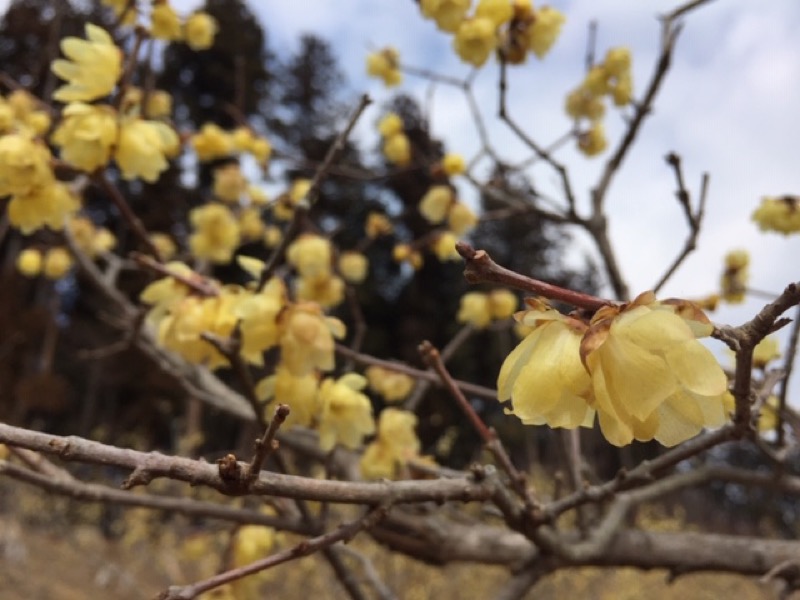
<point x="272" y="236"/>
<point x="144" y="147"/>
<point x="765" y="351"/>
<point x="165" y="25"/>
<point x="583" y="103"/>
<point x="377" y="225"/>
<point x="299" y="392"/>
<point x="390" y="125"/>
<point x="327" y="291"/>
<point x="200" y="30"/>
<point x="48" y="205"/>
<point x="311" y="255"/>
<point x="159" y="104"/>
<point x="346" y="413"/>
<point x="94" y="67"/>
<point x="385" y="65"/>
<point x="405" y="253"/>
<point x="780" y="213"/>
<point x="211" y="142"/>
<point x="444" y="246"/>
<point x="497" y="11"/>
<point x="57" y="263"/>
<point x="164" y="244"/>
<point x="229" y="182"/>
<point x="397" y="149"/>
<point x="593" y="141"/>
<point x="395" y="444"/>
<point x="622" y="91"/>
<point x="353" y="266"/>
<point x="167" y="291"/>
<point x="502" y="303"/>
<point x="543" y="376"/>
<point x="24" y="165"/>
<point x="460" y="219"/>
<point x="618" y="61"/>
<point x="86" y="135"/>
<point x="474" y="309"/>
<point x="251" y="226"/>
<point x="38" y="122"/>
<point x="448" y="14"/>
<point x="545" y="30"/>
<point x="92" y="240"/>
<point x="258" y="313"/>
<point x="393" y="386"/>
<point x="216" y="233"/>
<point x="453" y="164"/>
<point x="252" y="543"/>
<point x="307" y="338"/>
<point x="299" y="190"/>
<point x="436" y="203"/>
<point x="29" y="262"/>
<point x="734" y="278"/>
<point x="187" y="319"/>
<point x="651" y="378"/>
<point x="475" y="40"/>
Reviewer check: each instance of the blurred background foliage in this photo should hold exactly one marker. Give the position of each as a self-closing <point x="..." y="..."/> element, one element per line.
<point x="299" y="99"/>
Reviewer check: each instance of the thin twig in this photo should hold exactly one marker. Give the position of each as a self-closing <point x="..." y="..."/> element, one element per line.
<point x="268" y="444"/>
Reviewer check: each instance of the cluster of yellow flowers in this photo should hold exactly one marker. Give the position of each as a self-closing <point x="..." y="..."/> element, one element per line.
<point x="439" y="204"/>
<point x="639" y="367"/>
<point x="385" y="65"/>
<point x="396" y="146"/>
<point x="612" y="78"/>
<point x="733" y="283"/>
<point x="511" y="27"/>
<point x="53" y="264"/>
<point x="780" y="213"/>
<point x="479" y="309"/>
<point x="197" y="30"/>
<point x="312" y="256"/>
<point x="391" y="385"/>
<point x="395" y="444"/>
<point x="212" y="142"/>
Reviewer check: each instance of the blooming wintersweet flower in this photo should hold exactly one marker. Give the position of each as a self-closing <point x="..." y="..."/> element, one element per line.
<point x="212" y="142"/>
<point x="543" y="376"/>
<point x="436" y="203"/>
<point x="393" y="386"/>
<point x="299" y="392"/>
<point x="651" y="378"/>
<point x="474" y="310"/>
<point x="444" y="246"/>
<point x="199" y="31"/>
<point x="353" y="266"/>
<point x="497" y="11"/>
<point x="453" y="164"/>
<point x="778" y="213"/>
<point x="545" y="30"/>
<point x="229" y="183"/>
<point x="165" y="23"/>
<point x="765" y="351"/>
<point x="327" y="291"/>
<point x="307" y="338"/>
<point x="391" y="124"/>
<point x="93" y="68"/>
<point x="475" y="40"/>
<point x="397" y="149"/>
<point x="345" y="412"/>
<point x="216" y="233"/>
<point x="24" y="165"/>
<point x="395" y="444"/>
<point x="502" y="303"/>
<point x="593" y="141"/>
<point x="48" y="205"/>
<point x="460" y="219"/>
<point x="385" y="65"/>
<point x="311" y="255"/>
<point x="144" y="147"/>
<point x="86" y="135"/>
<point x="448" y="14"/>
